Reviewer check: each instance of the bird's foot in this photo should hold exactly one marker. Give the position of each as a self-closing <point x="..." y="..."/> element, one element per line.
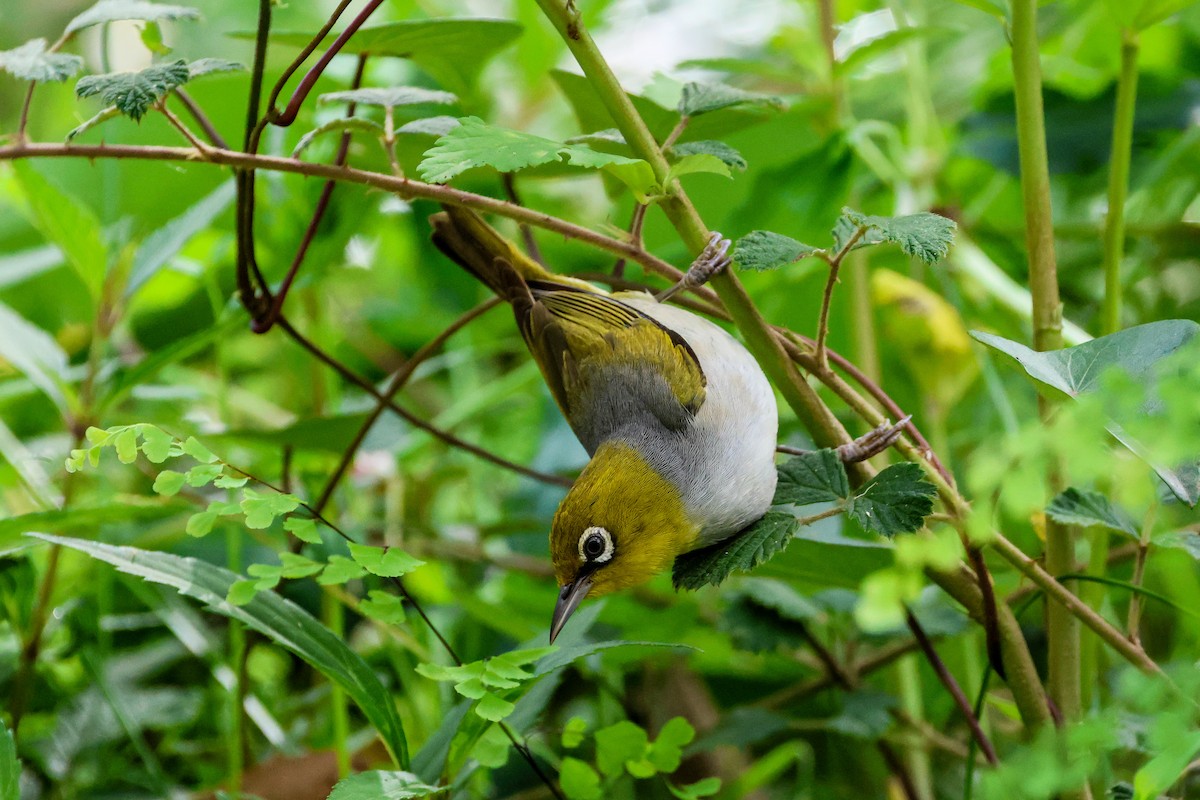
<point x="713" y="259"/>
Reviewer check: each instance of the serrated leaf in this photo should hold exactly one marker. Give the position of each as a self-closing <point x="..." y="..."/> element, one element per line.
<point x="133" y="93"/>
<point x="280" y="620"/>
<point x="816" y="477"/>
<point x="31" y="62"/>
<point x="897" y="500"/>
<point x="117" y="10"/>
<point x="1087" y="508"/>
<point x="386" y="562"/>
<point x="381" y="785"/>
<point x="728" y="155"/>
<point x="339" y="125"/>
<point x="212" y="66"/>
<point x="745" y="551"/>
<point x="578" y="780"/>
<point x="924" y="235"/>
<point x="168" y="483"/>
<point x="704" y="98"/>
<point x="763" y="250"/>
<point x="391" y="97"/>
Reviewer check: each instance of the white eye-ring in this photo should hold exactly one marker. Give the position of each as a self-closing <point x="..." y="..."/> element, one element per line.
<point x="595" y="545"/>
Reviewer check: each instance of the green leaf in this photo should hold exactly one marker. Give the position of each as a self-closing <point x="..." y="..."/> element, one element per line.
<point x="134" y="92"/>
<point x="704" y="98"/>
<point x="1153" y="12"/>
<point x="745" y="551"/>
<point x="34" y="353"/>
<point x="453" y="51"/>
<point x="386" y="562"/>
<point x="493" y="707"/>
<point x="156" y="444"/>
<point x="383" y="607"/>
<point x="694" y="791"/>
<point x="1078" y="370"/>
<point x="995" y="8"/>
<point x="780" y="598"/>
<point x="141" y="10"/>
<point x="203" y="474"/>
<point x="302" y="528"/>
<point x="339" y="125"/>
<point x="193" y="448"/>
<point x="475" y="143"/>
<point x="340" y="570"/>
<point x="618" y="744"/>
<point x="241" y="593"/>
<point x="816" y="477"/>
<point x="1086" y="508"/>
<point x="578" y="780"/>
<point x="763" y="250"/>
<point x="262" y="509"/>
<point x="31" y="62"/>
<point x="697" y="162"/>
<point x="573" y="731"/>
<point x="897" y="500"/>
<point x="430" y="126"/>
<point x="280" y="620"/>
<point x="390" y="97"/>
<point x="125" y="443"/>
<point x="152" y="38"/>
<point x="667" y="750"/>
<point x="168" y="483"/>
<point x="10" y="766"/>
<point x="1165" y="768"/>
<point x="925" y="236"/>
<point x="378" y="785"/>
<point x="729" y="156"/>
<point x="67" y="223"/>
<point x="121" y="509"/>
<point x="202" y="67"/>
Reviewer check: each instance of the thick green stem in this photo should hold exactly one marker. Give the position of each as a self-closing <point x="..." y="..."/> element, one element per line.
<point x="1118" y="181"/>
<point x="1062" y="627"/>
<point x="825" y="428"/>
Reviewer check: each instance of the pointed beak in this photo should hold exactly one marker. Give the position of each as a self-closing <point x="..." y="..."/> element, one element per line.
<point x="569" y="598"/>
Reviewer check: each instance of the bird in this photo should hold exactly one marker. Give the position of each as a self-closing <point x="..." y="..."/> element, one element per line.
<point x="678" y="419"/>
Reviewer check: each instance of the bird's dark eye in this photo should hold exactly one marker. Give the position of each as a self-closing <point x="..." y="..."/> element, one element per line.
<point x="595" y="544"/>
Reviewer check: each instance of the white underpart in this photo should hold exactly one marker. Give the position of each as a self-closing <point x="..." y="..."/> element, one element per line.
<point x="729" y="478"/>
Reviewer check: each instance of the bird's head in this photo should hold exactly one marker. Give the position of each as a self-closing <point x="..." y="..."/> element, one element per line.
<point x="620" y="525"/>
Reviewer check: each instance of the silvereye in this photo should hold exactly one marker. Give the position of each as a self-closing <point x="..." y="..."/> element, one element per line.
<point x="677" y="416"/>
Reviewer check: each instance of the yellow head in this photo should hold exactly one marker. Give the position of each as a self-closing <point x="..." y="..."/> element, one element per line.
<point x="620" y="525"/>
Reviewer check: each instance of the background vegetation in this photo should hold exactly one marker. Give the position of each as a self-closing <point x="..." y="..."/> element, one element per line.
<point x="269" y="393"/>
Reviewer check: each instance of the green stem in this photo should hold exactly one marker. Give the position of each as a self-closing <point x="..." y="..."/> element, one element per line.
<point x="916" y="755"/>
<point x="825" y="428"/>
<point x="1118" y="181"/>
<point x="235" y="744"/>
<point x="335" y="620"/>
<point x="1062" y="627"/>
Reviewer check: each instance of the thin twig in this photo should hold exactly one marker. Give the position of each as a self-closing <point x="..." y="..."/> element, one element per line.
<point x="264" y="323"/>
<point x="394" y="386"/>
<point x="177" y="123"/>
<point x="956" y="692"/>
<point x="835" y="262"/>
<point x="1133" y="623"/>
<point x="288" y="115"/>
<point x="635" y="236"/>
<point x="305" y="52"/>
<point x="409" y="417"/>
<point x="508" y="180"/>
<point x="206" y="125"/>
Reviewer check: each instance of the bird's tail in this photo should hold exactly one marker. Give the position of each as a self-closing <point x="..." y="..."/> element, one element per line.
<point x="479" y="248"/>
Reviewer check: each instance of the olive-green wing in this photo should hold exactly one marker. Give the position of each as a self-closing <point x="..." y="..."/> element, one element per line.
<point x="607" y="364"/>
